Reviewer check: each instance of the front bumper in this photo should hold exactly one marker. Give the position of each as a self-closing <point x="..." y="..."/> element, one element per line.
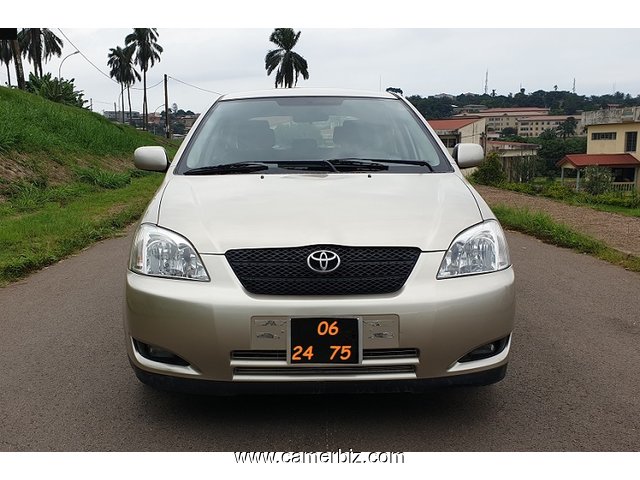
<point x="221" y="331"/>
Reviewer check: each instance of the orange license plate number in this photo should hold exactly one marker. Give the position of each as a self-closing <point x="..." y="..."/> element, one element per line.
<point x="324" y="341"/>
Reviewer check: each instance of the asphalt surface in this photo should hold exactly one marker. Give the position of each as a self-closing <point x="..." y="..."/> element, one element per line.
<point x="572" y="384"/>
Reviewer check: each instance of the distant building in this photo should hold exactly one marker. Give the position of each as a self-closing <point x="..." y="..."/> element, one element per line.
<point x="625" y="168"/>
<point x="500" y="118"/>
<point x="155" y="119"/>
<point x="613" y="130"/>
<point x="517" y="158"/>
<point x="189" y="120"/>
<point x="612" y="141"/>
<point x="535" y="125"/>
<point x="117" y="115"/>
<point x="470" y="109"/>
<point x="459" y="130"/>
<point x="445" y="95"/>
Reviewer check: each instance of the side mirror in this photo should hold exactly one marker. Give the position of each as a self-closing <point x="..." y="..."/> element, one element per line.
<point x="153" y="159"/>
<point x="468" y="155"/>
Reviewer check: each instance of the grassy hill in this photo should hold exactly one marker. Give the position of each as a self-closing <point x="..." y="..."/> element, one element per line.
<point x="44" y="140"/>
<point x="66" y="180"/>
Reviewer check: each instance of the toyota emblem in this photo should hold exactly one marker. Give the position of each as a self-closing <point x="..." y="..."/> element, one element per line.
<point x="323" y="261"/>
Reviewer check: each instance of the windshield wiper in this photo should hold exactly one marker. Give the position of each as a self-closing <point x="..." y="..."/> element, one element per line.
<point x="420" y="163"/>
<point x="377" y="164"/>
<point x="357" y="164"/>
<point x="237" y="167"/>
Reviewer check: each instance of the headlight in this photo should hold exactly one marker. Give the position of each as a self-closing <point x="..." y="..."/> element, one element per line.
<point x="480" y="249"/>
<point x="162" y="253"/>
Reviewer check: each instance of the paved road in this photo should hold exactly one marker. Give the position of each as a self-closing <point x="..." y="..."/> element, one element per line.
<point x="573" y="383"/>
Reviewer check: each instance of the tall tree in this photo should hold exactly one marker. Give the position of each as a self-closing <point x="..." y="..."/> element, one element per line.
<point x="17" y="60"/>
<point x="567" y="128"/>
<point x="145" y="42"/>
<point x="122" y="69"/>
<point x="39" y="45"/>
<point x="116" y="61"/>
<point x="289" y="63"/>
<point x="130" y="74"/>
<point x="6" y="56"/>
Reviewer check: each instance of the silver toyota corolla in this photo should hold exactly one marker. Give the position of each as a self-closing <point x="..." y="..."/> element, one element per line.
<point x="316" y="240"/>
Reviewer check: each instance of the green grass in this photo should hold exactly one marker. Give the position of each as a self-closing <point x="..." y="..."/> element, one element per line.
<point x="103" y="178"/>
<point x="66" y="180"/>
<point x="622" y="203"/>
<point x="30" y="241"/>
<point x="604" y="207"/>
<point x="33" y="125"/>
<point x="543" y="227"/>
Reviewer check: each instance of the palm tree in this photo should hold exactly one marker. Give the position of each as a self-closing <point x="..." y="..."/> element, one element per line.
<point x="129" y="74"/>
<point x="17" y="60"/>
<point x="116" y="60"/>
<point x="567" y="128"/>
<point x="38" y="45"/>
<point x="6" y="56"/>
<point x="121" y="62"/>
<point x="144" y="40"/>
<point x="288" y="62"/>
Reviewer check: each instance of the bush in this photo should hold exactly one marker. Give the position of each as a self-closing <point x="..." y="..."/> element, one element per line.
<point x="56" y="89"/>
<point x="597" y="180"/>
<point x="617" y="199"/>
<point x="558" y="190"/>
<point x="527" y="188"/>
<point x="490" y="171"/>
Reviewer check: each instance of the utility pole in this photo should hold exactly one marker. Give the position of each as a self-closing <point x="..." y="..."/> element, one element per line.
<point x="167" y="125"/>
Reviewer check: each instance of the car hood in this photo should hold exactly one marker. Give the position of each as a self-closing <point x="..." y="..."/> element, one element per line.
<point x="222" y="212"/>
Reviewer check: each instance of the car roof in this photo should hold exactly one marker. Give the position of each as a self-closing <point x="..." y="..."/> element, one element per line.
<point x="305" y="92"/>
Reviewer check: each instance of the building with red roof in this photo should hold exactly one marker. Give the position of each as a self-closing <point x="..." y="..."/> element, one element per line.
<point x="459" y="130"/>
<point x="625" y="168"/>
<point x="612" y="141"/>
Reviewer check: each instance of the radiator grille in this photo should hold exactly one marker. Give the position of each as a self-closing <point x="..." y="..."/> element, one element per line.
<point x="362" y="270"/>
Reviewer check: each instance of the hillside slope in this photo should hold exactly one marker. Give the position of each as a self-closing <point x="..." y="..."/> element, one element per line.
<point x="44" y="141"/>
<point x="66" y="180"/>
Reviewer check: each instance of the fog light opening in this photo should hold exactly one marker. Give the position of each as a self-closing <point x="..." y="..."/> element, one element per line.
<point x="486" y="351"/>
<point x="157" y="354"/>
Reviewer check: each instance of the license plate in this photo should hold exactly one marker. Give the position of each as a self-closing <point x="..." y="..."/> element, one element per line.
<point x="324" y="340"/>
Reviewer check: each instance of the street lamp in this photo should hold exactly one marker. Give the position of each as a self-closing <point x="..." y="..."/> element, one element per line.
<point x="60" y="68"/>
<point x="154" y="114"/>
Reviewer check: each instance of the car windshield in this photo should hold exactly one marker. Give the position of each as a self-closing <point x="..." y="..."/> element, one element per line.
<point x="307" y="133"/>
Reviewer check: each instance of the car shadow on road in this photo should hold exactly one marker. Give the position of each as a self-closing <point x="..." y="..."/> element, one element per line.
<point x="368" y="422"/>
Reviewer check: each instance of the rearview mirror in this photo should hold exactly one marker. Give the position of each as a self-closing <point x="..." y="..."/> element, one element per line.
<point x="468" y="155"/>
<point x="153" y="159"/>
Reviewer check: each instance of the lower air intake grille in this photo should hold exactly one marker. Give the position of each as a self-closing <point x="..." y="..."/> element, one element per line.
<point x="362" y="270"/>
<point x="367" y="354"/>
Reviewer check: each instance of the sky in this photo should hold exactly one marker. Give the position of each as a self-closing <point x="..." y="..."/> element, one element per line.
<point x="223" y="51"/>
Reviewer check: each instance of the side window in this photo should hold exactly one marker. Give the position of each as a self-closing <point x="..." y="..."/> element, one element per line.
<point x="630" y="141"/>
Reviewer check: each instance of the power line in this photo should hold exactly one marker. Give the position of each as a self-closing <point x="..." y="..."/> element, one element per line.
<point x="148" y="88"/>
<point x="85" y="57"/>
<point x="98" y="68"/>
<point x="193" y="86"/>
<point x="131" y="87"/>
